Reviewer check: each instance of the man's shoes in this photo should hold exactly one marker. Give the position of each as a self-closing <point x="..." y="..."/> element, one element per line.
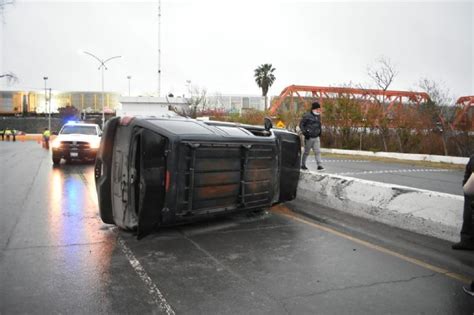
<point x="320" y="168"/>
<point x="303" y="167"/>
<point x="463" y="245"/>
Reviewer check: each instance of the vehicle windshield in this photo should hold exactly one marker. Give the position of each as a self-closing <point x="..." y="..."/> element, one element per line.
<point x="84" y="130"/>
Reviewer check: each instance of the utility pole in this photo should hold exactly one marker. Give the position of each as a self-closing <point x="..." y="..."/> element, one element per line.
<point x="159" y="48"/>
<point x="46" y="102"/>
<point x="129" y="77"/>
<point x="49" y="103"/>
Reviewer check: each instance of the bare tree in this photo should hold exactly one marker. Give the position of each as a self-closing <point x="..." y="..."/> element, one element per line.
<point x="437" y="107"/>
<point x="382" y="73"/>
<point x="439" y="94"/>
<point x="196" y="101"/>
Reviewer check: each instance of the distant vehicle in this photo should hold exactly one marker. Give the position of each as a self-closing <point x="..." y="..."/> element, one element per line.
<point x="159" y="171"/>
<point x="76" y="141"/>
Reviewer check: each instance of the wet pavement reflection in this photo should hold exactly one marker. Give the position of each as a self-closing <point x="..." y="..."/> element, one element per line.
<point x="58" y="253"/>
<point x="73" y="220"/>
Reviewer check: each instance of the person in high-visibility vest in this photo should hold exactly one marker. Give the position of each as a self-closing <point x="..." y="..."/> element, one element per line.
<point x="46" y="136"/>
<point x="8" y="133"/>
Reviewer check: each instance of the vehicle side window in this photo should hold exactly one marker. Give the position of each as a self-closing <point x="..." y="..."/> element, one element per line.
<point x="154" y="151"/>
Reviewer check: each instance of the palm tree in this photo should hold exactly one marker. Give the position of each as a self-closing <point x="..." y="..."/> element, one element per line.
<point x="264" y="78"/>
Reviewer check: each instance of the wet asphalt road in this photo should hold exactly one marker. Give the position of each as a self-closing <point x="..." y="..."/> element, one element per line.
<point x="445" y="180"/>
<point x="57" y="257"/>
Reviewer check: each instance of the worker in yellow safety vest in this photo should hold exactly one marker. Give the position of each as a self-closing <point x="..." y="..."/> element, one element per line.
<point x="46" y="136"/>
<point x="8" y="132"/>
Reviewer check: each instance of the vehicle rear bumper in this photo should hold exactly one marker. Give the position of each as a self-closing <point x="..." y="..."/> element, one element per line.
<point x="87" y="154"/>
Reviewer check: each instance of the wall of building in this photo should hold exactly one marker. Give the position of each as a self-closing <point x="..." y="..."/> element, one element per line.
<point x="30" y="124"/>
<point x="235" y="103"/>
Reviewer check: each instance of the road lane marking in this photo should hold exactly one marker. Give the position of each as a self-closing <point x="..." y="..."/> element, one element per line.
<point x="288" y="213"/>
<point x="152" y="288"/>
<point x="414" y="170"/>
<point x="341" y="161"/>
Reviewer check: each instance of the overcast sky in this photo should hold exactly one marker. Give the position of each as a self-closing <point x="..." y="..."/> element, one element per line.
<point x="218" y="44"/>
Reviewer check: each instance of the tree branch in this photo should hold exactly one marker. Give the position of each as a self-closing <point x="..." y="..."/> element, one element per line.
<point x="10" y="77"/>
<point x="383" y="73"/>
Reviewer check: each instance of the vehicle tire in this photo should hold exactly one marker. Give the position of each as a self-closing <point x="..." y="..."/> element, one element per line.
<point x="56" y="160"/>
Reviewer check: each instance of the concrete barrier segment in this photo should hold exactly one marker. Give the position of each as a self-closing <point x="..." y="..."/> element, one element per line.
<point x="402" y="156"/>
<point x="421" y="211"/>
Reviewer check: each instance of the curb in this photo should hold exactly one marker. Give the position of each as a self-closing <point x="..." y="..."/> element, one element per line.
<point x="403" y="156"/>
<point x="417" y="210"/>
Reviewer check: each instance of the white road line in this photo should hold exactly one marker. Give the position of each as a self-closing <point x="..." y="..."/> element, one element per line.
<point x="339" y="161"/>
<point x="415" y="170"/>
<point x="157" y="296"/>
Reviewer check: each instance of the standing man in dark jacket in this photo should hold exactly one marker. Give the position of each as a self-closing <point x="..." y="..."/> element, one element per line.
<point x="310" y="126"/>
<point x="467" y="230"/>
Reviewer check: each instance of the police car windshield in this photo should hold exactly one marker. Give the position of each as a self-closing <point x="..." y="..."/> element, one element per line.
<point x="84" y="130"/>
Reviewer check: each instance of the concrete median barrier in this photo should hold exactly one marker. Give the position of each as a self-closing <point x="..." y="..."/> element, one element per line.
<point x="421" y="211"/>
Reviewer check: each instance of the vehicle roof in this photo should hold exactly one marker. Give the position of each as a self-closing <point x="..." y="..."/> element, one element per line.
<point x="181" y="126"/>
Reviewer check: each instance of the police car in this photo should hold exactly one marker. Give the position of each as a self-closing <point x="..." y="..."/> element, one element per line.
<point x="76" y="141"/>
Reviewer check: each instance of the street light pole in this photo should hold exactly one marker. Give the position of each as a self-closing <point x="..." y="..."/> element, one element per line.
<point x="129" y="77"/>
<point x="102" y="67"/>
<point x="46" y="102"/>
<point x="103" y="97"/>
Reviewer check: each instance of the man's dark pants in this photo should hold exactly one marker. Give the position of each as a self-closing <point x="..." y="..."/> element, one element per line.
<point x="467" y="233"/>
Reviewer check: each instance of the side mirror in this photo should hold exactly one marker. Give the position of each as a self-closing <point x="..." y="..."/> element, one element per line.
<point x="267" y="124"/>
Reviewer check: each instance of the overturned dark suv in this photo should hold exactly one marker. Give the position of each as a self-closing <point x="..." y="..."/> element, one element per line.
<point x="159" y="171"/>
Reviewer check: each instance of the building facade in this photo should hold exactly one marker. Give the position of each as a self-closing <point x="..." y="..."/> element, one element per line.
<point x="16" y="102"/>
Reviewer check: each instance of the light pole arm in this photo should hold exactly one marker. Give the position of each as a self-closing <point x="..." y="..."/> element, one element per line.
<point x="95" y="57"/>
<point x="102" y="67"/>
<point x="114" y="57"/>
